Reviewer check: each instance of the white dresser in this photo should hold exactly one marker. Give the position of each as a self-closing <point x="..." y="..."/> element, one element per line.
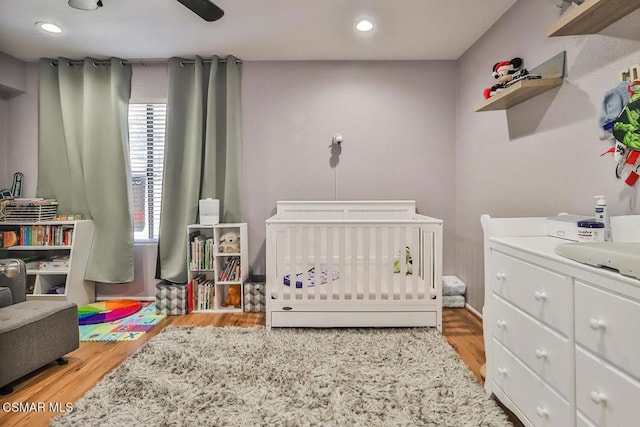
<point x="562" y="339"/>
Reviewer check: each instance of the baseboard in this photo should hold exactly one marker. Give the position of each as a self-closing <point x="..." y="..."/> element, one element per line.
<point x="474" y="311"/>
<point x="123" y="297"/>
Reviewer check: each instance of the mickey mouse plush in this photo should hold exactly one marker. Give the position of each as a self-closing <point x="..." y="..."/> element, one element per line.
<point x="505" y="72"/>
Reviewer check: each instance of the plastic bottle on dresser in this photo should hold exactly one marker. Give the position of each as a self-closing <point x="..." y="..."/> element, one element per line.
<point x="602" y="215"/>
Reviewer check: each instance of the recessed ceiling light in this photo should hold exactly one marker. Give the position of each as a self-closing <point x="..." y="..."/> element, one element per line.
<point x="49" y="27"/>
<point x="85" y="4"/>
<point x="364" y="25"/>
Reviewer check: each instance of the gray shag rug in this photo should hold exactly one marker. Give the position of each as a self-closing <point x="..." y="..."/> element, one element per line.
<point x="208" y="376"/>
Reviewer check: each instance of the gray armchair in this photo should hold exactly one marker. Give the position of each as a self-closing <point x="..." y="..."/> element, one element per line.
<point x="12" y="283"/>
<point x="33" y="333"/>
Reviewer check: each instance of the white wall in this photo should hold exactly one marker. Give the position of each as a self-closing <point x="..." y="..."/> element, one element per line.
<point x="540" y="157"/>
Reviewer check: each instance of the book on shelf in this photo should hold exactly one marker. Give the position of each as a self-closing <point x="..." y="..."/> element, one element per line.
<point x="230" y="270"/>
<point x="56" y="262"/>
<point x="201" y="251"/>
<point x="203" y="292"/>
<point x="9" y="238"/>
<point x="45" y="235"/>
<point x="32" y="262"/>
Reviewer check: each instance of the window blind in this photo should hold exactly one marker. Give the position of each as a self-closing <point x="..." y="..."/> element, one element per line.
<point x="147" y="124"/>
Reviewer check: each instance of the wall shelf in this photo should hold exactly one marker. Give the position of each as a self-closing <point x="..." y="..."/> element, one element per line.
<point x="592" y="16"/>
<point x="518" y="92"/>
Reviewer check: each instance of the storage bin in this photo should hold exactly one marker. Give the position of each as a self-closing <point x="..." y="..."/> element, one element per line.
<point x="254" y="298"/>
<point x="173" y="299"/>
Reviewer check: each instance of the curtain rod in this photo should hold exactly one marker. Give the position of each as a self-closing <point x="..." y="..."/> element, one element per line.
<point x="54" y="62"/>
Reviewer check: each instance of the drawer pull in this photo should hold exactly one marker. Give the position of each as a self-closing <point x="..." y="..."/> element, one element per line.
<point x="596" y="324"/>
<point x="502" y="371"/>
<point x="542" y="412"/>
<point x="540" y="296"/>
<point x="541" y="354"/>
<point x="598" y="398"/>
<point x="501" y="324"/>
<point x="501" y="276"/>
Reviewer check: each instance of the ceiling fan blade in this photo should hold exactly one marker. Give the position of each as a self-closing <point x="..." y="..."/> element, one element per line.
<point x="204" y="9"/>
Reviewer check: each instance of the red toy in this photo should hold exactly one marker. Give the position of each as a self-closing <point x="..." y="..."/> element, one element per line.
<point x="507" y="73"/>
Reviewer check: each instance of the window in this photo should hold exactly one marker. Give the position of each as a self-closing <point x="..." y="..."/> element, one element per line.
<point x="147" y="124"/>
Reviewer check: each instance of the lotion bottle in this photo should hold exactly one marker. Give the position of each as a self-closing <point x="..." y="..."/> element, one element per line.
<point x="602" y="215"/>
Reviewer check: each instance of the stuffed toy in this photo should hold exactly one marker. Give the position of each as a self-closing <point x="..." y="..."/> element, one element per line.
<point x="233" y="296"/>
<point x="229" y="242"/>
<point x="507" y="73"/>
<point x="408" y="259"/>
<point x="566" y="4"/>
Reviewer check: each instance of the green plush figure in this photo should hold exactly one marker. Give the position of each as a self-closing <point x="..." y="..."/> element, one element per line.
<point x="407" y="259"/>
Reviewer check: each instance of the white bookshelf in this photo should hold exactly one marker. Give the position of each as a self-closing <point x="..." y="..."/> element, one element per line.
<point x="41" y="282"/>
<point x="205" y="266"/>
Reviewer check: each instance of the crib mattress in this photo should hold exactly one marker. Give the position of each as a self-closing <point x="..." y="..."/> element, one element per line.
<point x="331" y="290"/>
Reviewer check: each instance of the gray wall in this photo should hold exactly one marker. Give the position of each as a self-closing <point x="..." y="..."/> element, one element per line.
<point x="540" y="157"/>
<point x="18" y="122"/>
<point x="397" y="119"/>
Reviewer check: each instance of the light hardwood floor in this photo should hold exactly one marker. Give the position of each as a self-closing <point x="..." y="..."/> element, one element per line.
<point x="88" y="364"/>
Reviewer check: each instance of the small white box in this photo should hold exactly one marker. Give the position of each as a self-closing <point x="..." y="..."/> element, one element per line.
<point x="209" y="211"/>
<point x="565" y="226"/>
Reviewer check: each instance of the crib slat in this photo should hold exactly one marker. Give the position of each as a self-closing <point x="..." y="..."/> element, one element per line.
<point x="391" y="248"/>
<point x="415" y="248"/>
<point x="304" y="252"/>
<point x="292" y="231"/>
<point x="317" y="252"/>
<point x="366" y="265"/>
<point x="342" y="253"/>
<point x="353" y="280"/>
<point x="428" y="257"/>
<point x="378" y="262"/>
<point x="330" y="264"/>
<point x="403" y="264"/>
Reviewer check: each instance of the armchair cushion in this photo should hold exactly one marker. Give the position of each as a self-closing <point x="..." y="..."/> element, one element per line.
<point x="5" y="296"/>
<point x="17" y="286"/>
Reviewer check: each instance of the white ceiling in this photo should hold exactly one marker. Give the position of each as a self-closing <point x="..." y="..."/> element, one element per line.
<point x="250" y="29"/>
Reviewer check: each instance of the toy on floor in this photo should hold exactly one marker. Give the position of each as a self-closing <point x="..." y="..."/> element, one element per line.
<point x="229" y="242"/>
<point x="233" y="296"/>
<point x="507" y="73"/>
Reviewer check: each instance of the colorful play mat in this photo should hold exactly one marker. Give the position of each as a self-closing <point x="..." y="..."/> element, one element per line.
<point x="128" y="328"/>
<point x="107" y="311"/>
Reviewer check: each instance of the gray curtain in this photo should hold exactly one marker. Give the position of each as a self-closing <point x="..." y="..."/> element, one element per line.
<point x="83" y="158"/>
<point x="202" y="153"/>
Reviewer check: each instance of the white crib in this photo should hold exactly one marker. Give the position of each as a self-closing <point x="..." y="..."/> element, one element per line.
<point x="353" y="264"/>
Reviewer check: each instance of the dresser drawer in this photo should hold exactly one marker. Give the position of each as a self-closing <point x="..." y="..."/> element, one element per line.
<point x="604" y="395"/>
<point x="545" y="352"/>
<point x="539" y="404"/>
<point x="544" y="294"/>
<point x="608" y="325"/>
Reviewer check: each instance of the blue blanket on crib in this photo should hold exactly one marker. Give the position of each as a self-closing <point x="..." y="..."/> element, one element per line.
<point x="311" y="277"/>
